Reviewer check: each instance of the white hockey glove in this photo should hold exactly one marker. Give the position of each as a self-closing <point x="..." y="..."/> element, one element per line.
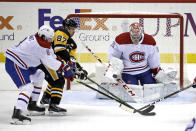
<point x="166" y="76"/>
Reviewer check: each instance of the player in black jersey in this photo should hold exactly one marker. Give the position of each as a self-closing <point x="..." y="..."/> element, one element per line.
<point x="65" y="48"/>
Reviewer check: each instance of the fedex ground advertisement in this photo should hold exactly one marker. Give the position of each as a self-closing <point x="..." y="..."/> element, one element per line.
<point x="20" y="19"/>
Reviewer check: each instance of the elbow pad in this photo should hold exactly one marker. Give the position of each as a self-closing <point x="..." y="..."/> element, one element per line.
<point x="64" y="55"/>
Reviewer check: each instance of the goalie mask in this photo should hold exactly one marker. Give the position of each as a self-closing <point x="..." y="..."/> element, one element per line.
<point x="135" y="32"/>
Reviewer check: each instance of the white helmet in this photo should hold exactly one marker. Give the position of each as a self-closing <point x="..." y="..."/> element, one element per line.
<point x="135" y="32"/>
<point x="46" y="31"/>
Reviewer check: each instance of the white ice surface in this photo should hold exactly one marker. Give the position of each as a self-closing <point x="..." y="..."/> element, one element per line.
<point x="86" y="113"/>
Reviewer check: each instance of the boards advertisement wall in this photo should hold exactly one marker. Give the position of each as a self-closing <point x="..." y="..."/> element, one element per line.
<point x="20" y="19"/>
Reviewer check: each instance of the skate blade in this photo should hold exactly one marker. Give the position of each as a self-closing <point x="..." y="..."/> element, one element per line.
<point x="52" y="113"/>
<point x="17" y="122"/>
<point x="35" y="113"/>
<point x="44" y="105"/>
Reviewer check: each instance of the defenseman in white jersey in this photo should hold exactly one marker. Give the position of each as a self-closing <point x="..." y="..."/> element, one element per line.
<point x="21" y="63"/>
<point x="139" y="53"/>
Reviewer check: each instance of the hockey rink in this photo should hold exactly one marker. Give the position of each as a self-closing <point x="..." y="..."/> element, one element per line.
<point x="86" y="113"/>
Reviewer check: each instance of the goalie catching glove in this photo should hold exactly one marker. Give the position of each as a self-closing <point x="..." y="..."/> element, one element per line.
<point x="165" y="76"/>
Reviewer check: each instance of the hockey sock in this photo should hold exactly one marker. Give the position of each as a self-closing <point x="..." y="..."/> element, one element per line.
<point x="35" y="94"/>
<point x="24" y="96"/>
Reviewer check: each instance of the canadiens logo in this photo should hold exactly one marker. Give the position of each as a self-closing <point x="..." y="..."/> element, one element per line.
<point x="137" y="57"/>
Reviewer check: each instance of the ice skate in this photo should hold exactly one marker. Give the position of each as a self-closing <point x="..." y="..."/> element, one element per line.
<point x="55" y="110"/>
<point x="45" y="100"/>
<point x="35" y="110"/>
<point x="19" y="119"/>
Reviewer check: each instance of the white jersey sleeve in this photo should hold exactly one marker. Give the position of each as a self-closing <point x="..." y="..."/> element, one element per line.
<point x="114" y="51"/>
<point x="154" y="58"/>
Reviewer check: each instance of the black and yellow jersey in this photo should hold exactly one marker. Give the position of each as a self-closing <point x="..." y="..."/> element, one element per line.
<point x="62" y="42"/>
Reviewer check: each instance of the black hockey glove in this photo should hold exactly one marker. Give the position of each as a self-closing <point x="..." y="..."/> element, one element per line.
<point x="81" y="74"/>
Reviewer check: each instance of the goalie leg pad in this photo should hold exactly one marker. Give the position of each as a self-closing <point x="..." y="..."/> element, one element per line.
<point x="170" y="88"/>
<point x="153" y="91"/>
<point x="119" y="91"/>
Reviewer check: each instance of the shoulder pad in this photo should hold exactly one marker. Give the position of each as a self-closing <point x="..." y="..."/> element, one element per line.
<point x="123" y="38"/>
<point x="63" y="30"/>
<point x="148" y="40"/>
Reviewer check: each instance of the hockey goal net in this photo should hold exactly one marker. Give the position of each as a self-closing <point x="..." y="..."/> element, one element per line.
<point x="98" y="31"/>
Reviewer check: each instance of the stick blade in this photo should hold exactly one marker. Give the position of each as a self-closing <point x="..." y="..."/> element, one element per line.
<point x="147" y="111"/>
<point x="126" y="108"/>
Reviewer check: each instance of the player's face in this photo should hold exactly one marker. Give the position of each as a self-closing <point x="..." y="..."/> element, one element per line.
<point x="135" y="33"/>
<point x="72" y="31"/>
<point x="50" y="39"/>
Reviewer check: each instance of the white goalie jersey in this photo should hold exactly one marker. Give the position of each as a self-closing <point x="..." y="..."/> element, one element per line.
<point x="137" y="58"/>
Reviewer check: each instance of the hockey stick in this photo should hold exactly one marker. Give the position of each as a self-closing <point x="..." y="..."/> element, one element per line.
<point x="163" y="98"/>
<point x="123" y="84"/>
<point x="123" y="104"/>
<point x="96" y="57"/>
<point x="146" y="111"/>
<point x="92" y="52"/>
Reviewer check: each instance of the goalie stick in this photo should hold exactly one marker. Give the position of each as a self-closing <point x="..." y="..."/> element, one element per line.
<point x="123" y="104"/>
<point x="163" y="98"/>
<point x="123" y="84"/>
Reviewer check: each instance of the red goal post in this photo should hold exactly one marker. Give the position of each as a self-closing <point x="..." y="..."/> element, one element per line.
<point x="177" y="16"/>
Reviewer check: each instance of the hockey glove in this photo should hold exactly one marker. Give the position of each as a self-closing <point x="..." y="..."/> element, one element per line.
<point x="68" y="74"/>
<point x="81" y="74"/>
<point x="73" y="59"/>
<point x="194" y="83"/>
